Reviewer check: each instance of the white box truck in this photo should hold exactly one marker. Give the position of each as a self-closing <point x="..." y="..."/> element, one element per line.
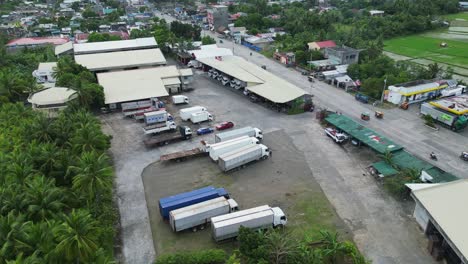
<point x="180" y="99"/>
<point x="155" y="117"/>
<point x="216" y="151"/>
<point x="262" y="217"/>
<point x="160" y="127"/>
<point x="198" y="215"/>
<point x="208" y="146"/>
<point x="245" y="131"/>
<point x="186" y="113"/>
<point x="199" y="117"/>
<point x="242" y="156"/>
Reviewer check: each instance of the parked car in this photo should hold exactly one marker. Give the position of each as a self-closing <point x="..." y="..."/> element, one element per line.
<point x="204" y="130"/>
<point x="224" y="125"/>
<point x="362" y="98"/>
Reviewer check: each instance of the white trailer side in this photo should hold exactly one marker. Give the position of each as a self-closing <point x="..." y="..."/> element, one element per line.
<point x="245" y="131"/>
<point x="216" y="151"/>
<point x="242" y="156"/>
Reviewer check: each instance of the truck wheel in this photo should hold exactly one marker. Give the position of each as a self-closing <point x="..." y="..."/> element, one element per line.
<point x="202" y="227"/>
<point x="194" y="229"/>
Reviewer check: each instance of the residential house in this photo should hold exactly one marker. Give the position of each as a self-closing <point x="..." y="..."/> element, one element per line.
<point x="321" y="45"/>
<point x="45" y="72"/>
<point x="342" y="55"/>
<point x="52" y="100"/>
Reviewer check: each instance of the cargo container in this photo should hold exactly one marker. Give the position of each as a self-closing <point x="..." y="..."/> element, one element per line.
<point x="155" y="117"/>
<point x="166" y="205"/>
<point x="199" y="117"/>
<point x="216" y="151"/>
<point x="198" y="215"/>
<point x="242" y="156"/>
<point x="262" y="217"/>
<point x="245" y="131"/>
<point x="180" y="99"/>
<point x="453" y="121"/>
<point x="186" y="113"/>
<point x="208" y="146"/>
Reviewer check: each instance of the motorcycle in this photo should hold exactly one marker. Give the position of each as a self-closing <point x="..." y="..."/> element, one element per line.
<point x="433" y="156"/>
<point x="464" y="156"/>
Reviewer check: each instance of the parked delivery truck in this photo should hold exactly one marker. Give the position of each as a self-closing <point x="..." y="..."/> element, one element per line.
<point x="262" y="217"/>
<point x="186" y="113"/>
<point x="160" y="127"/>
<point x="198" y="215"/>
<point x="455" y="122"/>
<point x="199" y="117"/>
<point x="184" y="134"/>
<point x="242" y="156"/>
<point x="245" y="131"/>
<point x="180" y="99"/>
<point x="216" y="151"/>
<point x="168" y="204"/>
<point x="155" y="117"/>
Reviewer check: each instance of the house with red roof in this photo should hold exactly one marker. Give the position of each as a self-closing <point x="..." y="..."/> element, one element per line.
<point x="320" y="45"/>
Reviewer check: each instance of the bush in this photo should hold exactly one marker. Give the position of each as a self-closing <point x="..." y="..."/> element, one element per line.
<point x="429" y="120"/>
<point x="210" y="256"/>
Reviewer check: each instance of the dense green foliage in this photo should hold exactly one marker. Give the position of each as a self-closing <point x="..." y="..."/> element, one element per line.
<point x="98" y="37"/>
<point x="55" y="188"/>
<point x="207" y="40"/>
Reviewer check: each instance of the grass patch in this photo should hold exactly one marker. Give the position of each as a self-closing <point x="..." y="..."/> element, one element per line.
<point x="461" y="15"/>
<point x="429" y="48"/>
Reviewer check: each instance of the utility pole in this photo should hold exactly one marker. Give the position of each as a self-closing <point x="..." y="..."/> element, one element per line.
<point x="383" y="91"/>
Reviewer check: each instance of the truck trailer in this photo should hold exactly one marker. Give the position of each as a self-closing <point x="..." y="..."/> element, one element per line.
<point x="130" y="109"/>
<point x="245" y="131"/>
<point x="184" y="134"/>
<point x="453" y="121"/>
<point x="199" y="117"/>
<point x="186" y="113"/>
<point x="262" y="217"/>
<point x="216" y="151"/>
<point x="208" y="146"/>
<point x="168" y="204"/>
<point x="242" y="156"/>
<point x="159" y="127"/>
<point x="180" y="99"/>
<point x="154" y="117"/>
<point x="198" y="215"/>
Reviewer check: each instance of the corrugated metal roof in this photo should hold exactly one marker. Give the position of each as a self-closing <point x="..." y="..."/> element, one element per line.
<point x="123" y="86"/>
<point x="63" y="48"/>
<point x="119" y="45"/>
<point x="186" y="72"/>
<point x="47" y="66"/>
<point x="446" y="204"/>
<point x="50" y="96"/>
<point x="261" y="81"/>
<point x="367" y="136"/>
<point x="171" y="81"/>
<point x="121" y="59"/>
<point x="36" y="41"/>
<point x="384" y="168"/>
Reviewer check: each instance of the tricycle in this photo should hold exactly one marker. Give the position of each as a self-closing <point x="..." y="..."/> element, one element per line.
<point x="379" y="114"/>
<point x="365" y="116"/>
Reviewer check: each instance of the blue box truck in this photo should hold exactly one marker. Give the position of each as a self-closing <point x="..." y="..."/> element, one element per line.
<point x="167" y="204"/>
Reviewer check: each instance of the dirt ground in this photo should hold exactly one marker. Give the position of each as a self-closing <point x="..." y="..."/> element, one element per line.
<point x="283" y="180"/>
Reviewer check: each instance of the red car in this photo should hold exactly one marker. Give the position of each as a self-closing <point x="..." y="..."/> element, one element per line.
<point x="224" y="125"/>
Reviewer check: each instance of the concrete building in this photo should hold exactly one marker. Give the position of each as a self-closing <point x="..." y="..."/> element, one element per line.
<point x="121" y="60"/>
<point x="217" y="16"/>
<point x="441" y="213"/>
<point x="256" y="80"/>
<point x="342" y="54"/>
<point x="52" y="100"/>
<point x="113" y="46"/>
<point x="141" y="84"/>
<point x="417" y="91"/>
<point x="45" y="72"/>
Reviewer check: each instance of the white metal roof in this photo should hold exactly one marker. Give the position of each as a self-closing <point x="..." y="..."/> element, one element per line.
<point x="121" y="59"/>
<point x="63" y="48"/>
<point x="50" y="96"/>
<point x="171" y="81"/>
<point x="447" y="205"/>
<point x="47" y="66"/>
<point x="118" y="45"/>
<point x="123" y="86"/>
<point x="186" y="72"/>
<point x="210" y="51"/>
<point x="240" y="213"/>
<point x="261" y="81"/>
<point x="199" y="208"/>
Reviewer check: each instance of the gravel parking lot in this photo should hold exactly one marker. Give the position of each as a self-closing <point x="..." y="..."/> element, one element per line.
<point x="381" y="228"/>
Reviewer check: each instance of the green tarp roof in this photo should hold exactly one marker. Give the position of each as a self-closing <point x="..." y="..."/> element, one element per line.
<point x="405" y="160"/>
<point x="384" y="168"/>
<point x="367" y="136"/>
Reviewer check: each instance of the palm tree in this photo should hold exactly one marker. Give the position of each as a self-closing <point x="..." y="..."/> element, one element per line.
<point x="42" y="129"/>
<point x="12" y="85"/>
<point x="13" y="236"/>
<point x="388" y="158"/>
<point x="434" y="70"/>
<point x="44" y="200"/>
<point x="89" y="138"/>
<point x="77" y="236"/>
<point x="93" y="175"/>
<point x="41" y="238"/>
<point x="332" y="248"/>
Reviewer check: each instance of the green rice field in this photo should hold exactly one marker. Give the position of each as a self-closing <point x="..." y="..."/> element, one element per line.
<point x="461" y="15"/>
<point x="420" y="46"/>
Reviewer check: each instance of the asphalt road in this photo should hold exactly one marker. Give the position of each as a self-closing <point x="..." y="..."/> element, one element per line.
<point x="403" y="127"/>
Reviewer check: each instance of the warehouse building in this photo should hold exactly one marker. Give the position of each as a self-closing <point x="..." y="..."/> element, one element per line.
<point x="256" y="80"/>
<point x="115" y="46"/>
<point x="441" y="212"/>
<point x="52" y="100"/>
<point x="121" y="60"/>
<point x="141" y="84"/>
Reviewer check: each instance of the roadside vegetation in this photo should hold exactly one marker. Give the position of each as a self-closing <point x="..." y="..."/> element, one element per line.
<point x="55" y="174"/>
<point x="276" y="246"/>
